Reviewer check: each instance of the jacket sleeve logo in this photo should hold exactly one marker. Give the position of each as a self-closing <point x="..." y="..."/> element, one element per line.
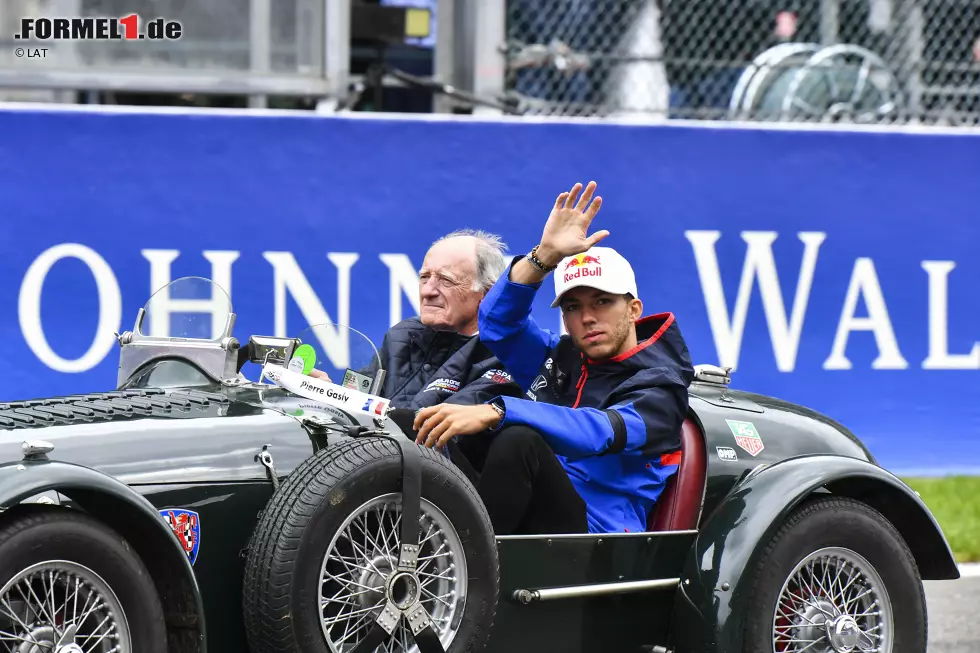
<point x="498" y="376"/>
<point x="540" y="382"/>
<point x="449" y="385"/>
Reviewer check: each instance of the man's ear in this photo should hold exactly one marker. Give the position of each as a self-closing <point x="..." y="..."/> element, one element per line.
<point x="636" y="309"/>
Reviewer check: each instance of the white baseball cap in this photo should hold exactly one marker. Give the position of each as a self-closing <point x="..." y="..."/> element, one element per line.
<point x="602" y="268"/>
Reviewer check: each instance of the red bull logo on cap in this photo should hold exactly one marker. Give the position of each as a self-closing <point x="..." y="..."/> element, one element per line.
<point x="582" y="259"/>
<point x="579" y="262"/>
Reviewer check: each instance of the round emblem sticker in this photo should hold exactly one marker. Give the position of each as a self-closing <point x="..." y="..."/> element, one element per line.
<point x="303" y="359"/>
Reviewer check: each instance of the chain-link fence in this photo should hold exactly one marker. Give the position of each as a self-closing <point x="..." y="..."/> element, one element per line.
<point x="868" y="61"/>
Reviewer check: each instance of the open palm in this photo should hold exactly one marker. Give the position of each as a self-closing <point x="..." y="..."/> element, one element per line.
<point x="567" y="231"/>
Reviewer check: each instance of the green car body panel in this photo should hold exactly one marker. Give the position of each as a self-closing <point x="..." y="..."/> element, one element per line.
<point x="717" y="576"/>
<point x="198" y="448"/>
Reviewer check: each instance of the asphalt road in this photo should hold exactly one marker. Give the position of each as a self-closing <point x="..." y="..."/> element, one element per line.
<point x="953" y="623"/>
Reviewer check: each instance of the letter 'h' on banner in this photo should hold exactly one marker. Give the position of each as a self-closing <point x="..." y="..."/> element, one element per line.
<point x="164" y="306"/>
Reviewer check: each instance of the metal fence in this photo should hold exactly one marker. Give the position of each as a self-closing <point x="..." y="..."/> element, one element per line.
<point x="870" y="61"/>
<point x="867" y="61"/>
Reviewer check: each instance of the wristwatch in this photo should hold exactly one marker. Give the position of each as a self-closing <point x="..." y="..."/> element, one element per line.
<point x="501" y="409"/>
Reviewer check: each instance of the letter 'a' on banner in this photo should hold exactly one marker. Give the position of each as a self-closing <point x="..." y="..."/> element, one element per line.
<point x="326" y="392"/>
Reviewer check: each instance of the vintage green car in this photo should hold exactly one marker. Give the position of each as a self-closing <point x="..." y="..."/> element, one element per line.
<point x="194" y="510"/>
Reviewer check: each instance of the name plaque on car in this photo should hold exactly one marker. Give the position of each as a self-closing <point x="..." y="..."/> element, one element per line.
<point x="330" y="393"/>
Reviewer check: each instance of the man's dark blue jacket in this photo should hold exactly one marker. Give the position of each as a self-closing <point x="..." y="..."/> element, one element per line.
<point x="615" y="426"/>
<point x="425" y="367"/>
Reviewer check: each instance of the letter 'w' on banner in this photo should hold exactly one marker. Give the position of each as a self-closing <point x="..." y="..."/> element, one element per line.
<point x="328" y="393"/>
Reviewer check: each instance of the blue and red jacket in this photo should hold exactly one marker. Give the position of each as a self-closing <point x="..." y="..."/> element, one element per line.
<point x="615" y="426"/>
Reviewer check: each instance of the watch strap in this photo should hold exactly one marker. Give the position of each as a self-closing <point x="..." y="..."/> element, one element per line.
<point x="498" y="405"/>
<point x="532" y="258"/>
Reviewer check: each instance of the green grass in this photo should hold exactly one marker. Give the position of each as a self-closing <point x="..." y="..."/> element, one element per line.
<point x="955" y="502"/>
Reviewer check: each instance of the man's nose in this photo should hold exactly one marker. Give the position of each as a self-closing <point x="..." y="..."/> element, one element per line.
<point x="587" y="316"/>
<point x="428" y="288"/>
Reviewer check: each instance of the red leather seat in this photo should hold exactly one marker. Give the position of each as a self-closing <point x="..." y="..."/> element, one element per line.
<point x="679" y="506"/>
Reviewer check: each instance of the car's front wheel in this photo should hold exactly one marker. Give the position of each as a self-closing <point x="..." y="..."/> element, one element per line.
<point x="322" y="568"/>
<point x="70" y="584"/>
<point x="837" y="577"/>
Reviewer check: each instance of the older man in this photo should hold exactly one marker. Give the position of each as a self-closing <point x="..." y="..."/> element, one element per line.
<point x="436" y="357"/>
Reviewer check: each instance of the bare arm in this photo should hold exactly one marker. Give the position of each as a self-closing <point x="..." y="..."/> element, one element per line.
<point x="524" y="272"/>
<point x="506" y="324"/>
<point x="565" y="234"/>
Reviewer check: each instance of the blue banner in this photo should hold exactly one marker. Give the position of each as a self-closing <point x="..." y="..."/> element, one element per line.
<point x="831" y="268"/>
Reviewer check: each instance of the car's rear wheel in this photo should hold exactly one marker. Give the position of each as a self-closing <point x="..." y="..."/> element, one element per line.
<point x="70" y="584"/>
<point x="322" y="562"/>
<point x="837" y="577"/>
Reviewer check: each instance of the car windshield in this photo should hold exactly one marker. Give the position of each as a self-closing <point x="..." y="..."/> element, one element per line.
<point x="325" y="363"/>
<point x="339" y="354"/>
<point x="194" y="308"/>
<point x="335" y="365"/>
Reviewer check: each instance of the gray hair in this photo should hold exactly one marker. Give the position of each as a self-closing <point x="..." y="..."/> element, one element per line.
<point x="491" y="256"/>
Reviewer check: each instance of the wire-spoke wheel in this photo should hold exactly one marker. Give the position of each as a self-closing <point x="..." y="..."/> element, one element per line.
<point x="804" y="82"/>
<point x="842" y="83"/>
<point x="70" y="584"/>
<point x="837" y="577"/>
<point x="833" y="602"/>
<point x="358" y="575"/>
<point x="323" y="564"/>
<point x="61" y="607"/>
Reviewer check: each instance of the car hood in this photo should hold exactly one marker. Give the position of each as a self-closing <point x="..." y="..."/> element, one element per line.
<point x="149" y="436"/>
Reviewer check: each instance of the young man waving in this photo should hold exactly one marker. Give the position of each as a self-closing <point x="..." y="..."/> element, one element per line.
<point x="592" y="446"/>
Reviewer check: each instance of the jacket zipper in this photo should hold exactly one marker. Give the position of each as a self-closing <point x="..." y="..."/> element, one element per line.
<point x="581" y="384"/>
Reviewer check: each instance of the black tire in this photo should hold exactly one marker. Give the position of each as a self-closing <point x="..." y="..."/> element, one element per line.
<point x="281" y="593"/>
<point x="845" y="524"/>
<point x="48" y="535"/>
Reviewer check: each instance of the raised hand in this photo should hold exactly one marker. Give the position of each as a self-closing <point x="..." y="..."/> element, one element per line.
<point x="566" y="231"/>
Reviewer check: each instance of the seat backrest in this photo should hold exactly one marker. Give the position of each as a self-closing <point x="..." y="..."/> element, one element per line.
<point x="679" y="506"/>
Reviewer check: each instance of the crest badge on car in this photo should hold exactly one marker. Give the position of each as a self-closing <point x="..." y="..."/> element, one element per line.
<point x="186" y="525"/>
